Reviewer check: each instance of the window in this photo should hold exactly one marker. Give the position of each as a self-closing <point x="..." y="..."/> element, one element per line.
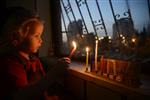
<point x="122" y="27"/>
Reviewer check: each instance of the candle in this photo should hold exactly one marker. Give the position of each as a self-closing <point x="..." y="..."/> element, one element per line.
<point x="87" y="58"/>
<point x="114" y="67"/>
<point x="108" y="64"/>
<point x="74" y="48"/>
<point x="96" y="50"/>
<point x="102" y="64"/>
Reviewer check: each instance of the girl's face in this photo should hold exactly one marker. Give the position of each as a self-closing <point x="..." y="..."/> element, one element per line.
<point x="33" y="40"/>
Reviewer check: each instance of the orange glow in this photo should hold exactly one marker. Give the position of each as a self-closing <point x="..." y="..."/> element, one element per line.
<point x="73" y="50"/>
<point x="87" y="49"/>
<point x="74" y="44"/>
<point x="133" y="40"/>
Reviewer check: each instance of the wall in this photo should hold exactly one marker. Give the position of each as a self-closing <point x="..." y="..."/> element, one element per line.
<point x="29" y="4"/>
<point x="43" y="9"/>
<point x="89" y="86"/>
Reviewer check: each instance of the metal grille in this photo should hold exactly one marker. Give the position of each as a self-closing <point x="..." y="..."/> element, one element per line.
<point x="113" y="22"/>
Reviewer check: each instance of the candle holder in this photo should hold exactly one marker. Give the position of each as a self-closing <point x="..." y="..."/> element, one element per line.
<point x="121" y="71"/>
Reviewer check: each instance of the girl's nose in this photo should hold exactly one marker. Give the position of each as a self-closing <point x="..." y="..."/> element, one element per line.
<point x="40" y="40"/>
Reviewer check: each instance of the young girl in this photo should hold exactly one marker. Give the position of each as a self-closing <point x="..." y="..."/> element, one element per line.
<point x="21" y="73"/>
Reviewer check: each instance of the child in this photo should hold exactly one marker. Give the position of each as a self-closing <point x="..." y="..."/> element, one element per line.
<point x="21" y="73"/>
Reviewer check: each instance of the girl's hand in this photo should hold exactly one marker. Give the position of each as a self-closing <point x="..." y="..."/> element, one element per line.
<point x="59" y="69"/>
<point x="65" y="60"/>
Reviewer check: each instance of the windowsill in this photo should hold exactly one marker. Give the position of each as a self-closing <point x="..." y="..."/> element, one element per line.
<point x="78" y="69"/>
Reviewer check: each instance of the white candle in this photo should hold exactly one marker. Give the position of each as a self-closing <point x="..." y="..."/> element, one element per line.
<point x="96" y="52"/>
<point x="87" y="58"/>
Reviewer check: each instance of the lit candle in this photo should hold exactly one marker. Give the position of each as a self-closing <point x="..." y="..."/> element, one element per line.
<point x="87" y="58"/>
<point x="74" y="48"/>
<point x="96" y="50"/>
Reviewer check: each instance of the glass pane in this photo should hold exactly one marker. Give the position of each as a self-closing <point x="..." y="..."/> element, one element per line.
<point x="122" y="27"/>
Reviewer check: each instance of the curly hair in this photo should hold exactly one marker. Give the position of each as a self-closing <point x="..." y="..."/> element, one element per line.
<point x="13" y="25"/>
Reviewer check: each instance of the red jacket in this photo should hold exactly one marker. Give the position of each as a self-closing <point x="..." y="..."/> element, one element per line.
<point x="17" y="72"/>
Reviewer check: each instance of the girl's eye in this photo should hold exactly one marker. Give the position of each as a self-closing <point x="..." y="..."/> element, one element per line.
<point x="37" y="36"/>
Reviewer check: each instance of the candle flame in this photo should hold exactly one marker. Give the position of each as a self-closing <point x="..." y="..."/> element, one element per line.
<point x="73" y="50"/>
<point x="133" y="40"/>
<point x="87" y="49"/>
<point x="74" y="44"/>
<point x="96" y="41"/>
